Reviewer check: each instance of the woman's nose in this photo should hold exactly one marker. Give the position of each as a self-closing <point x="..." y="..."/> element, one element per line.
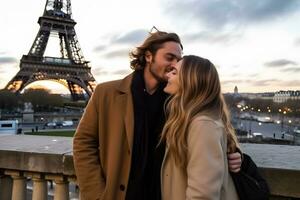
<point x="168" y="74"/>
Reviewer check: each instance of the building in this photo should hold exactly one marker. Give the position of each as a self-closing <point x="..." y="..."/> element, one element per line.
<point x="236" y="91"/>
<point x="282" y="96"/>
<point x="265" y="95"/>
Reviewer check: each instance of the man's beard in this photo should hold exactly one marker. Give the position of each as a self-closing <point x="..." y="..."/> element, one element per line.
<point x="155" y="75"/>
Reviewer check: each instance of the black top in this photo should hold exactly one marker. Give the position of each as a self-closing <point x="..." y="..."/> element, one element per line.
<point x="144" y="179"/>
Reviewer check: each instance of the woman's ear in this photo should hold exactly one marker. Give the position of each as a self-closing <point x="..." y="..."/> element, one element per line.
<point x="148" y="56"/>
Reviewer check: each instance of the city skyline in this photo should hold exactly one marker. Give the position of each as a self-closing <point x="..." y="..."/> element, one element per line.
<point x="254" y="44"/>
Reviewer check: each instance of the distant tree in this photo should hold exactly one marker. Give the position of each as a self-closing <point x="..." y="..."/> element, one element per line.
<point x="42" y="99"/>
<point x="262" y="104"/>
<point x="232" y="100"/>
<point x="291" y="107"/>
<point x="8" y="100"/>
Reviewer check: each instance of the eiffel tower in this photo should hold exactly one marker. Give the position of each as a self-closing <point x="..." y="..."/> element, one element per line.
<point x="71" y="69"/>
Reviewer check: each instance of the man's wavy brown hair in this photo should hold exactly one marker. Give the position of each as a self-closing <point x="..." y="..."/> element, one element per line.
<point x="154" y="42"/>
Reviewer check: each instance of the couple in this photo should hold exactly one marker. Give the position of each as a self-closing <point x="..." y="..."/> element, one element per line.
<point x="126" y="147"/>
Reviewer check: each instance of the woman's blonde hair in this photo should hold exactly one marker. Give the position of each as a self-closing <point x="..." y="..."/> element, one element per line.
<point x="199" y="91"/>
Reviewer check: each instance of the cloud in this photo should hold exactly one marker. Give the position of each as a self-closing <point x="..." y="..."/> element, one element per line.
<point x="253" y="75"/>
<point x="7" y="60"/>
<point x="101" y="72"/>
<point x="229" y="82"/>
<point x="211" y="37"/>
<point x="291" y="69"/>
<point x="297" y="42"/>
<point x="280" y="63"/>
<point x="2" y="69"/>
<point x="235" y="75"/>
<point x="129" y="39"/>
<point x="252" y="82"/>
<point x="291" y="83"/>
<point x="243" y="75"/>
<point x="237" y="81"/>
<point x="122" y="72"/>
<point x="100" y="48"/>
<point x="132" y="37"/>
<point x="221" y="13"/>
<point x="117" y="53"/>
<point x="266" y="82"/>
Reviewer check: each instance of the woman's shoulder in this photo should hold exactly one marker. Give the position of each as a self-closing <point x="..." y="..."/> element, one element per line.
<point x="206" y="126"/>
<point x="209" y="119"/>
<point x="205" y="130"/>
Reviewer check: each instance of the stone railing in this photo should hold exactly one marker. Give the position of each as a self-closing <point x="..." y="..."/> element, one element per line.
<point x="36" y="160"/>
<point x="280" y="165"/>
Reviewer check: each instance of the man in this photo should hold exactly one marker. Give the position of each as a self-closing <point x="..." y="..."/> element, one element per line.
<point x="115" y="146"/>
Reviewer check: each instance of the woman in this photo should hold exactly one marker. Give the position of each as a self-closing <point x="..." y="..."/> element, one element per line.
<point x="198" y="135"/>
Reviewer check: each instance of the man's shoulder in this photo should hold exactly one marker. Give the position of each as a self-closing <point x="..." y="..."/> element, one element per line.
<point x="109" y="84"/>
<point x="114" y="84"/>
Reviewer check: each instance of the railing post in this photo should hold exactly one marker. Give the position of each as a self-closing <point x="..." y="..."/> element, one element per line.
<point x="19" y="185"/>
<point x="40" y="190"/>
<point x="5" y="187"/>
<point x="61" y="190"/>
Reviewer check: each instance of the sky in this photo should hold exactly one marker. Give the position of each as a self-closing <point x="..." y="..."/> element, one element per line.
<point x="254" y="44"/>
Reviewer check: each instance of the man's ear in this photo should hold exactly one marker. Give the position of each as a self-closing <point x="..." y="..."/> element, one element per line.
<point x="148" y="56"/>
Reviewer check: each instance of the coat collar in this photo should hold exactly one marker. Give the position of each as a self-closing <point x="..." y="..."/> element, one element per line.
<point x="125" y="99"/>
<point x="125" y="84"/>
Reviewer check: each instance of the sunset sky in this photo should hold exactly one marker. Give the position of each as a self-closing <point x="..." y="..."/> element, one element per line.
<point x="255" y="44"/>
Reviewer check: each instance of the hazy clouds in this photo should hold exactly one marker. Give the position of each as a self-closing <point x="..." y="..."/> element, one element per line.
<point x="280" y="63"/>
<point x="216" y="14"/>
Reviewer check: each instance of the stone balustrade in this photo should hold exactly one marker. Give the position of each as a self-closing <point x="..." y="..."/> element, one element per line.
<point x="41" y="159"/>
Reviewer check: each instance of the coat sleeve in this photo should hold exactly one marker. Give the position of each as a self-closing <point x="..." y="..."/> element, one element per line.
<point x="205" y="161"/>
<point x="86" y="152"/>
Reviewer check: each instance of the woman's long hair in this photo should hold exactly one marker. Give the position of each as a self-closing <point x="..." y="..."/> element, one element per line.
<point x="199" y="91"/>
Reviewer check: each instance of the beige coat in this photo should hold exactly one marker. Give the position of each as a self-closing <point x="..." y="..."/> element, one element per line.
<point x="206" y="175"/>
<point x="103" y="142"/>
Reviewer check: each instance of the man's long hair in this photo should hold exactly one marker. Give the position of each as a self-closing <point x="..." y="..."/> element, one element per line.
<point x="199" y="92"/>
<point x="152" y="44"/>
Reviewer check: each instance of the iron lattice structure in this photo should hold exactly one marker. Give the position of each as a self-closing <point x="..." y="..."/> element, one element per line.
<point x="71" y="69"/>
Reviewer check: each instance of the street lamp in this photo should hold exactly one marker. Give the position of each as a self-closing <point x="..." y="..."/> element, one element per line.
<point x="282" y="119"/>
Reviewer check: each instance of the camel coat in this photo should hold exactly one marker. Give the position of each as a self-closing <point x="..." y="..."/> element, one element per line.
<point x="102" y="145"/>
<point x="206" y="175"/>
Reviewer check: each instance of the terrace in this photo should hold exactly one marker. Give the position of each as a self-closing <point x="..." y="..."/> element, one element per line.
<point x="38" y="160"/>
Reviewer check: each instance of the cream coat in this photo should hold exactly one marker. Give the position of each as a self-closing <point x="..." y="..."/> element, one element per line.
<point x="103" y="142"/>
<point x="206" y="175"/>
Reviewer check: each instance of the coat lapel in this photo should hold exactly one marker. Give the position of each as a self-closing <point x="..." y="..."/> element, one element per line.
<point x="125" y="99"/>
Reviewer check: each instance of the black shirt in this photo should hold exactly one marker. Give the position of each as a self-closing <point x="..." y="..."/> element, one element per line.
<point x="147" y="156"/>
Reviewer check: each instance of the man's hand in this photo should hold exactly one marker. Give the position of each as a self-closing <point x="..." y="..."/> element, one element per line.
<point x="234" y="162"/>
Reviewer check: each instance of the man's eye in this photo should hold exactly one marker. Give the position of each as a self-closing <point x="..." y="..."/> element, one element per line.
<point x="169" y="58"/>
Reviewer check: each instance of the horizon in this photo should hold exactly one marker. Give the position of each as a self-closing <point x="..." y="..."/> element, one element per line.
<point x="253" y="45"/>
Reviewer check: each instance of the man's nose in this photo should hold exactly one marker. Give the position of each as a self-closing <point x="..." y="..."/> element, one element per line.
<point x="173" y="63"/>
